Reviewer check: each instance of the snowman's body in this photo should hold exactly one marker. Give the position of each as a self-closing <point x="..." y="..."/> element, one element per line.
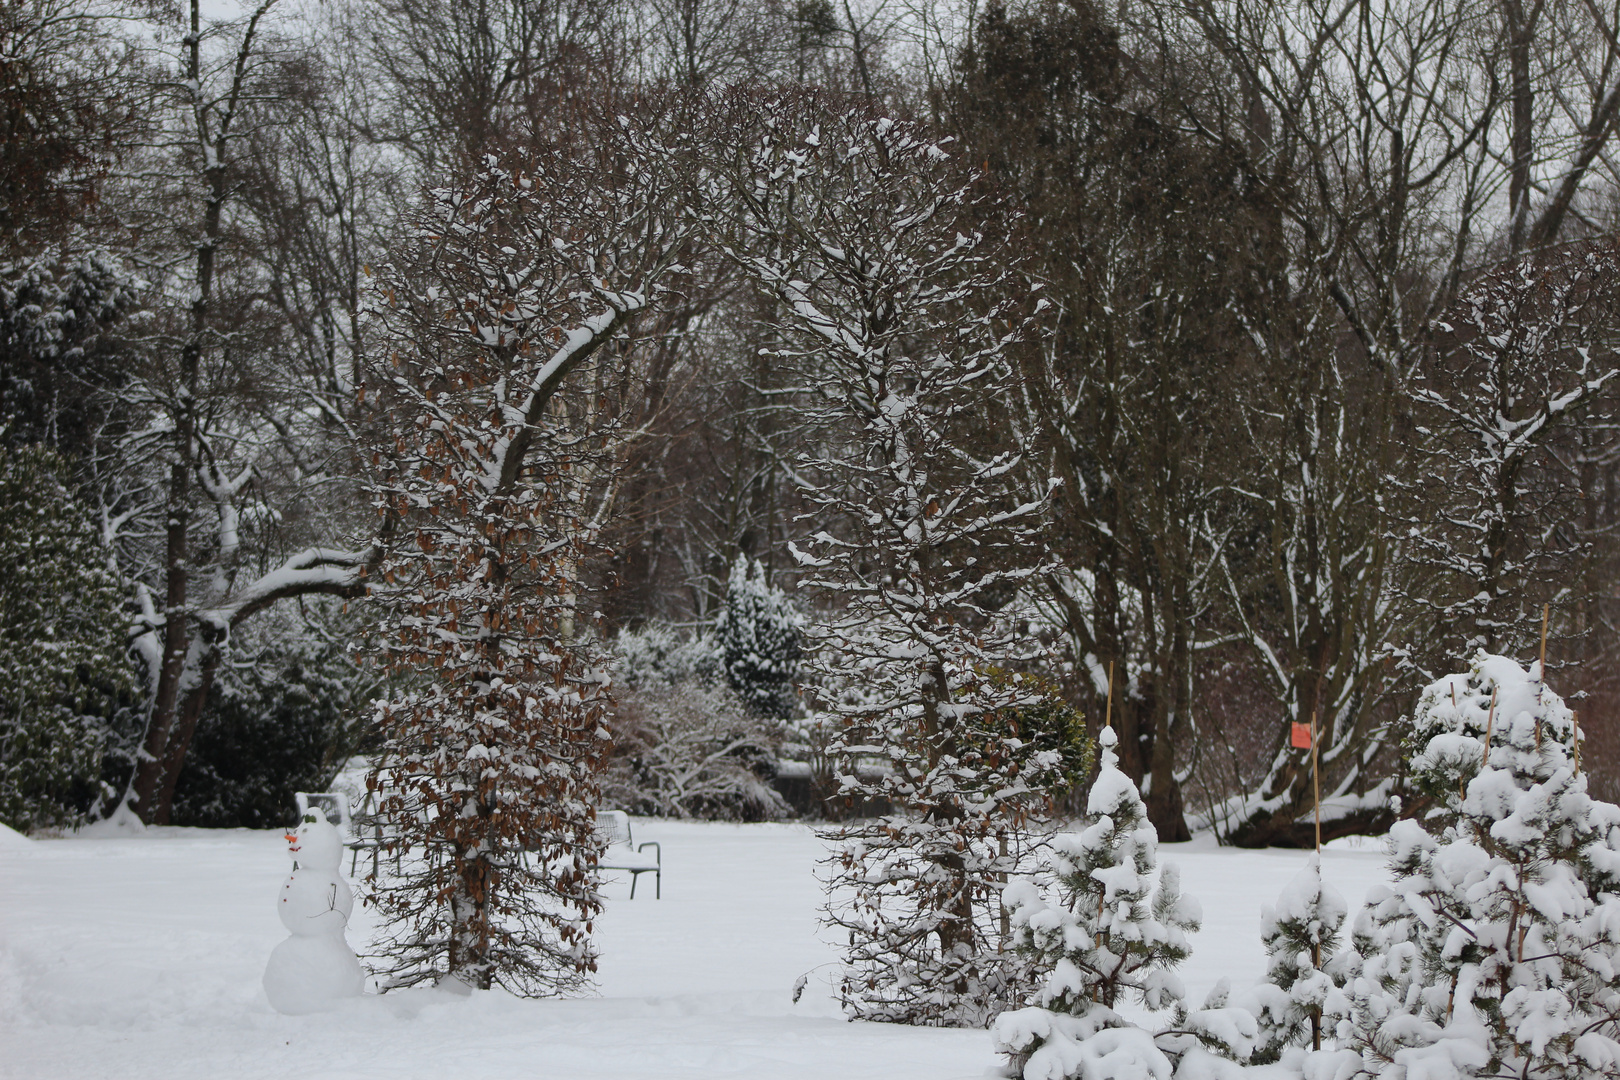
<point x="315" y="967"/>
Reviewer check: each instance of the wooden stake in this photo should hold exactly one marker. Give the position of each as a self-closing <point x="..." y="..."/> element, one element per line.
<point x="1006" y="922"/>
<point x="1544" y="610"/>
<point x="1316" y="780"/>
<point x="1490" y="723"/>
<point x="1108" y="710"/>
<point x="1576" y="718"/>
<point x="1108" y="722"/>
<point x="1541" y="681"/>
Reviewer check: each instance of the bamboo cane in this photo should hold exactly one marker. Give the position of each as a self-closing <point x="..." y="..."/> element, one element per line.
<point x="1108" y="710"/>
<point x="1576" y="734"/>
<point x="1316" y="780"/>
<point x="1490" y="724"/>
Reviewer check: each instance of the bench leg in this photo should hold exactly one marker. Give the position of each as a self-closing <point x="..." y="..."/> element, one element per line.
<point x="633" y="876"/>
<point x="658" y="884"/>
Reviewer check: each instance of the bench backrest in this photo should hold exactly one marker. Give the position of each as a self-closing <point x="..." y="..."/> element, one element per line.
<point x="336" y="800"/>
<point x="614" y="827"/>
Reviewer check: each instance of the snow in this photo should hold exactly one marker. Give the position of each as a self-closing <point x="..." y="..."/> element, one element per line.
<point x="139" y="955"/>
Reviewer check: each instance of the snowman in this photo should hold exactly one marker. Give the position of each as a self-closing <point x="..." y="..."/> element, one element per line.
<point x="314" y="968"/>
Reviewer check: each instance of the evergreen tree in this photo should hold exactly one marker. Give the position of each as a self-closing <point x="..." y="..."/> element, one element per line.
<point x="63" y="671"/>
<point x="1497" y="950"/>
<point x="1302" y="997"/>
<point x="277" y="722"/>
<point x="1115" y="930"/>
<point x="1128" y="916"/>
<point x="757" y="636"/>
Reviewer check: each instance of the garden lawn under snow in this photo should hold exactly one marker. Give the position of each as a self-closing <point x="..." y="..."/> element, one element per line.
<point x="140" y="956"/>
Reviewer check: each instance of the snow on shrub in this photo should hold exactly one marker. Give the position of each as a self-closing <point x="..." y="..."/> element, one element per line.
<point x="691" y="750"/>
<point x="757" y="638"/>
<point x="1302" y="997"/>
<point x="685" y="744"/>
<point x="1496" y="952"/>
<point x="917" y="889"/>
<point x="1112" y="930"/>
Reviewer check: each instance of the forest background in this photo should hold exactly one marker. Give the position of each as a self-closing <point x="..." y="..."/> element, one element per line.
<point x="1304" y="320"/>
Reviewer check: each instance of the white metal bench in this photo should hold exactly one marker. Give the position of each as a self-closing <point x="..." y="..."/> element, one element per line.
<point x="353" y="838"/>
<point x="337" y="800"/>
<point x="623" y="853"/>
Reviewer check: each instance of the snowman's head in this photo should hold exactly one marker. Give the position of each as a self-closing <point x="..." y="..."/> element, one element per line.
<point x="316" y="845"/>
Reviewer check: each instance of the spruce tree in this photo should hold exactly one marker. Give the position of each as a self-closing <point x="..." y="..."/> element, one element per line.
<point x="757" y="636"/>
<point x="1302" y="997"/>
<point x="1497" y="950"/>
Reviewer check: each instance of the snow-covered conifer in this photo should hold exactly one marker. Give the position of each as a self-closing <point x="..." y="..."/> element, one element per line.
<point x="1111" y="929"/>
<point x="1496" y="952"/>
<point x="896" y="308"/>
<point x="757" y="636"/>
<point x="62" y="634"/>
<point x="1301" y="999"/>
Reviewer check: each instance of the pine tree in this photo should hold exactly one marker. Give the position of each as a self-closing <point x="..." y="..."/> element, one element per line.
<point x="1497" y="950"/>
<point x="1302" y="997"/>
<point x="1114" y="931"/>
<point x="63" y="669"/>
<point x="757" y="635"/>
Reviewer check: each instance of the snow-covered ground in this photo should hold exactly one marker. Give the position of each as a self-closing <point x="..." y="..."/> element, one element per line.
<point x="134" y="957"/>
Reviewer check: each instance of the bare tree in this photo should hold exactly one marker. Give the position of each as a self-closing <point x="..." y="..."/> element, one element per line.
<point x="1528" y="350"/>
<point x="1132" y="400"/>
<point x="189" y="498"/>
<point x="899" y="314"/>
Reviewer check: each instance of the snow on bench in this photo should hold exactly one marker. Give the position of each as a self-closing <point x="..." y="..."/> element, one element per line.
<point x="622" y="852"/>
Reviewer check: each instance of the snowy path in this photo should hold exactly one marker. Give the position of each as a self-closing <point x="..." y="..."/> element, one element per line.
<point x="141" y="957"/>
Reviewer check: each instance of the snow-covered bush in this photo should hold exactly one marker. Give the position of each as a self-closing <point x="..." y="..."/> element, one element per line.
<point x="690" y="749"/>
<point x="56" y="315"/>
<point x="1496" y="952"/>
<point x="1110" y="929"/>
<point x="63" y="668"/>
<point x="1302" y="997"/>
<point x="684" y="743"/>
<point x="660" y="654"/>
<point x="757" y="639"/>
<point x="918" y="889"/>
